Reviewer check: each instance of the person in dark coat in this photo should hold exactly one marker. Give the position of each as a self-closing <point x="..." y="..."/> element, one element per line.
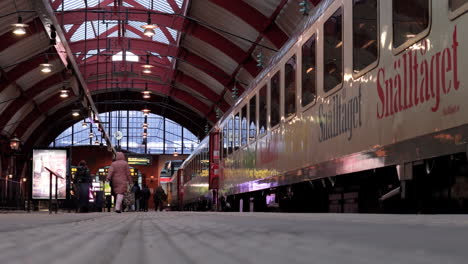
<point x="145" y="195"/>
<point x="159" y="198"/>
<point x="137" y="192"/>
<point x="83" y="180"/>
<point x="119" y="175"/>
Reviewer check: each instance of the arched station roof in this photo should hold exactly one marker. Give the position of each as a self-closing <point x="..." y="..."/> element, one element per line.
<point x="201" y="50"/>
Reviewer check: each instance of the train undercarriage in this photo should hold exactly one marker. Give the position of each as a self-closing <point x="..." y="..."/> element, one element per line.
<point x="437" y="185"/>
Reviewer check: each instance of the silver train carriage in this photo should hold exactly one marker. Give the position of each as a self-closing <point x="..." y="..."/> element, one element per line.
<point x="194" y="178"/>
<point x="370" y="89"/>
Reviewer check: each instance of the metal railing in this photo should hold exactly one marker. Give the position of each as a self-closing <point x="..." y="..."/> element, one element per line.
<point x="13" y="194"/>
<point x="52" y="173"/>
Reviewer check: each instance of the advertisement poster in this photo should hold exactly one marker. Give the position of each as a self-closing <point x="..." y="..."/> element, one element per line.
<point x="55" y="160"/>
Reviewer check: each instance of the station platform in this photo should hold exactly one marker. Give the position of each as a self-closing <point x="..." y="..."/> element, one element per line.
<point x="189" y="237"/>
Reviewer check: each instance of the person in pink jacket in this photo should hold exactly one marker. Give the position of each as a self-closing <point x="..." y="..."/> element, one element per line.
<point x="119" y="175"/>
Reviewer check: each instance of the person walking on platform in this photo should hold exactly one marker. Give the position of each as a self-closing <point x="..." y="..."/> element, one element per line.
<point x="137" y="192"/>
<point x="159" y="198"/>
<point x="119" y="175"/>
<point x="83" y="181"/>
<point x="145" y="195"/>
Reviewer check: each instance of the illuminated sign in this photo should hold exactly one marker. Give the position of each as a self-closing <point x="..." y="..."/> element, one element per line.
<point x="56" y="161"/>
<point x="145" y="161"/>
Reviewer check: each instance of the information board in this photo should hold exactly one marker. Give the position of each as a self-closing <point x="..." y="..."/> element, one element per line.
<point x="55" y="160"/>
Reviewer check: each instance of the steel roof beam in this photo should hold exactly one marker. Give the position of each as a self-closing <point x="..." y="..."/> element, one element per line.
<point x="28" y="96"/>
<point x="176" y="22"/>
<point x="139" y="82"/>
<point x="47" y="15"/>
<point x="9" y="39"/>
<point x="24" y="67"/>
<point x="249" y="62"/>
<point x="61" y="119"/>
<point x="255" y="19"/>
<point x="145" y="45"/>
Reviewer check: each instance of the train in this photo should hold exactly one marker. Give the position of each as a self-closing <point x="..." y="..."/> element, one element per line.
<point x="363" y="110"/>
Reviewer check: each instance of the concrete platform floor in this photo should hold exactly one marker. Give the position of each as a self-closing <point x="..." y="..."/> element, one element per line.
<point x="188" y="237"/>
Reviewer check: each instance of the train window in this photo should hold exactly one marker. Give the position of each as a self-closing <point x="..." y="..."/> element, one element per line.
<point x="364" y="33"/>
<point x="275" y="100"/>
<point x="244" y="125"/>
<point x="221" y="144"/>
<point x="262" y="110"/>
<point x="253" y="118"/>
<point x="457" y="8"/>
<point x="455" y="4"/>
<point x="236" y="131"/>
<point x="333" y="51"/>
<point x="309" y="71"/>
<point x="410" y="17"/>
<point x="290" y="87"/>
<point x="230" y="136"/>
<point x="225" y="141"/>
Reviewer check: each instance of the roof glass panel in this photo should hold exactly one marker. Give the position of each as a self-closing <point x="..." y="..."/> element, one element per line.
<point x="160" y="37"/>
<point x="160" y="5"/>
<point x="129" y="56"/>
<point x="173" y="33"/>
<point x="67" y="27"/>
<point x="179" y="3"/>
<point x="131" y="34"/>
<point x="76" y="4"/>
<point x="85" y="30"/>
<point x="163" y="6"/>
<point x="91" y="53"/>
<point x="156" y="54"/>
<point x="113" y="34"/>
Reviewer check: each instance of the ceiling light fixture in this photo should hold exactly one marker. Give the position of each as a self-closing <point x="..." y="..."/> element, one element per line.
<point x="149" y="28"/>
<point x="75" y="112"/>
<point x="46" y="67"/>
<point x="64" y="92"/>
<point x="146" y="111"/>
<point x="145" y="125"/>
<point x="175" y="154"/>
<point x="146" y="93"/>
<point x="91" y="134"/>
<point x="19" y="28"/>
<point x="147" y="67"/>
<point x="84" y="125"/>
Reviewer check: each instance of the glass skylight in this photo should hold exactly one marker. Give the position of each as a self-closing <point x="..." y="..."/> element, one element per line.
<point x="129" y="56"/>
